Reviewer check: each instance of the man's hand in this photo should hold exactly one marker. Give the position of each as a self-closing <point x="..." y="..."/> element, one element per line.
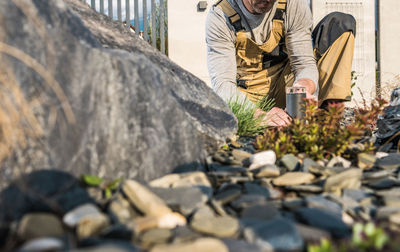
<point x="308" y="84"/>
<point x="276" y="117"/>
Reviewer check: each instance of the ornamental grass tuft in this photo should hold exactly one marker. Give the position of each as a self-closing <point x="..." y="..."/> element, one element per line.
<point x="244" y="111"/>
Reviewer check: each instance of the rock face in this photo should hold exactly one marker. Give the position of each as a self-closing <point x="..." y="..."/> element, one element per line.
<point x="115" y="106"/>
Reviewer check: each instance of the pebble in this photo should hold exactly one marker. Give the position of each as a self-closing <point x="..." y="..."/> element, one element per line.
<point x="145" y="200"/>
<point x="92" y="225"/>
<point x="156" y="236"/>
<point x="339" y="161"/>
<point x="199" y="245"/>
<point x="290" y="162"/>
<point x="293" y="178"/>
<point x="37" y="225"/>
<point x="261" y="159"/>
<point x="366" y="161"/>
<point x="324" y="220"/>
<point x="241" y="155"/>
<point x="73" y="217"/>
<point x="349" y="179"/>
<point x="276" y="235"/>
<point x="390" y="162"/>
<point x="43" y="244"/>
<point x="267" y="171"/>
<point x="182" y="199"/>
<point x="222" y="227"/>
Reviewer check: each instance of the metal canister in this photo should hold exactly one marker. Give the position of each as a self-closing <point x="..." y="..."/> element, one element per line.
<point x="295" y="101"/>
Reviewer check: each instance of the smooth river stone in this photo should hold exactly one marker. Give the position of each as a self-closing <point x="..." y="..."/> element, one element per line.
<point x="293" y="178"/>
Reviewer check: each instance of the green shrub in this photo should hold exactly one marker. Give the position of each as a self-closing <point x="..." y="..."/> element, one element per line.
<point x="320" y="133"/>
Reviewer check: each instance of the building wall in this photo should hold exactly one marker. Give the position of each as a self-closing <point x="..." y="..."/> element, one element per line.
<point x="186" y="36"/>
<point x="389" y="44"/>
<point x="364" y="62"/>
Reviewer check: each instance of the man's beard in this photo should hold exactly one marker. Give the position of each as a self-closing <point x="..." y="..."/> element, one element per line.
<point x="261" y="8"/>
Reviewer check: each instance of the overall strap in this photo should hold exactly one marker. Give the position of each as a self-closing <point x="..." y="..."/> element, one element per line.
<point x="280" y="10"/>
<point x="231" y="13"/>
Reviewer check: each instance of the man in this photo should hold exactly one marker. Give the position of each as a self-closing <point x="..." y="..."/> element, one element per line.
<point x="257" y="48"/>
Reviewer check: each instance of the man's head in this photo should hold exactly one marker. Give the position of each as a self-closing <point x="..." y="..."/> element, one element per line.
<point x="259" y="6"/>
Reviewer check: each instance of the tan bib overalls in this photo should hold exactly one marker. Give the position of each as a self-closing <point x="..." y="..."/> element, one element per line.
<point x="258" y="81"/>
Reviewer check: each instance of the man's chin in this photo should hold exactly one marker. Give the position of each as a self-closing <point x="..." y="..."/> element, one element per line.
<point x="262" y="10"/>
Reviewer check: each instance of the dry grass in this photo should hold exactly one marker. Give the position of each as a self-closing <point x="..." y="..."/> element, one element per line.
<point x="387" y="87"/>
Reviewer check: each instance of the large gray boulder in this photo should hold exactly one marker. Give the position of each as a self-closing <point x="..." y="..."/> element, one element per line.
<point x="128" y="111"/>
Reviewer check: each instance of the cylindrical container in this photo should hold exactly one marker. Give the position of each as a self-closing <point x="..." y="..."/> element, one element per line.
<point x="295" y="100"/>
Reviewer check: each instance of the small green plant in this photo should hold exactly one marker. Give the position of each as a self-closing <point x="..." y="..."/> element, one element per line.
<point x="366" y="237"/>
<point x="320" y="133"/>
<point x="107" y="187"/>
<point x="354" y="78"/>
<point x="244" y="111"/>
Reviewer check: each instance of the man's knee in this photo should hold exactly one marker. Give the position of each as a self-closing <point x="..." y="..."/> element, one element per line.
<point x="330" y="28"/>
<point x="345" y="22"/>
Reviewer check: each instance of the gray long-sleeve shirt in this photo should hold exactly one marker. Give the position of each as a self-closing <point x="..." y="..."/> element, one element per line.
<point x="221" y="40"/>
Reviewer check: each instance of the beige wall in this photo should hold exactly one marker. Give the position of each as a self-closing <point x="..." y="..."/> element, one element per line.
<point x="186" y="36"/>
<point x="364" y="63"/>
<point x="389" y="29"/>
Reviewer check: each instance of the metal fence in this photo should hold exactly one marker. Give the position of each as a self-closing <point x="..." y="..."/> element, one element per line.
<point x="148" y="18"/>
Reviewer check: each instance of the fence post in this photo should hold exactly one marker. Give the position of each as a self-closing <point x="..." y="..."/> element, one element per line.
<point x="102" y="6"/>
<point x="136" y="16"/>
<point x="153" y="24"/>
<point x="119" y="10"/>
<point x="145" y="25"/>
<point x="110" y="8"/>
<point x="162" y="32"/>
<point x="127" y="17"/>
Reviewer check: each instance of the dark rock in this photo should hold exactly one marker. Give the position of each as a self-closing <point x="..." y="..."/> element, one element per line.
<point x="106" y="245"/>
<point x="389" y="123"/>
<point x="248" y="200"/>
<point x="390" y="162"/>
<point x="384" y="183"/>
<point x="41" y="191"/>
<point x="117" y="232"/>
<point x="227" y="196"/>
<point x="311" y="234"/>
<point x="121" y="107"/>
<point x="252" y="188"/>
<point x="262" y="212"/>
<point x="293" y="204"/>
<point x="324" y="220"/>
<point x="355" y="194"/>
<point x="241" y="246"/>
<point x="322" y="203"/>
<point x="275" y="235"/>
<point x="376" y="174"/>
